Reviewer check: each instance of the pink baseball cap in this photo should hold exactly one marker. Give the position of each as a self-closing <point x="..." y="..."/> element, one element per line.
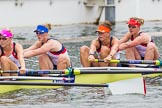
<point x="6" y="33"/>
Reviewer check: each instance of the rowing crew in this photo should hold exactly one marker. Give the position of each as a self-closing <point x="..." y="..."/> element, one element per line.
<point x="52" y="54"/>
<point x="107" y="47"/>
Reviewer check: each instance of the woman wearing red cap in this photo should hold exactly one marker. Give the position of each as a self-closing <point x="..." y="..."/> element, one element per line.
<point x="103" y="47"/>
<point x="11" y="53"/>
<point x="52" y="53"/>
<point x="141" y="46"/>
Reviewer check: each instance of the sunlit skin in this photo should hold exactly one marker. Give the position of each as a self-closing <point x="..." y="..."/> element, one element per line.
<point x="144" y="38"/>
<point x="6" y="63"/>
<point x="105" y="52"/>
<point x="42" y="37"/>
<point x="41" y="47"/>
<point x="5" y="43"/>
<point x="134" y="30"/>
<point x="103" y="37"/>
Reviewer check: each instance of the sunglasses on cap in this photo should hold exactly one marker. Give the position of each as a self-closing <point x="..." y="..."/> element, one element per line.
<point x="3" y="38"/>
<point x="130" y="26"/>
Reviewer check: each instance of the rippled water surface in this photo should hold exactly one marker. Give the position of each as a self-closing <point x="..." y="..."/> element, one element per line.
<point x="70" y="97"/>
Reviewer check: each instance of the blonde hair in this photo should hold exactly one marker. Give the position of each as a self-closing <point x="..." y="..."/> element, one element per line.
<point x="139" y="20"/>
<point x="107" y="24"/>
<point x="47" y="25"/>
<point x="9" y="29"/>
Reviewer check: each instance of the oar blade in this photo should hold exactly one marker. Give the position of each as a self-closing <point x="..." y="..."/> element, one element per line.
<point x="129" y="86"/>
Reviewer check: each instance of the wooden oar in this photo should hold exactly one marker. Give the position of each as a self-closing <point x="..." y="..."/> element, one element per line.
<point x="88" y="71"/>
<point x="154" y="62"/>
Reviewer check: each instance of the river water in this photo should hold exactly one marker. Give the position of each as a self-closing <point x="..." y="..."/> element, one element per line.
<point x="74" y="36"/>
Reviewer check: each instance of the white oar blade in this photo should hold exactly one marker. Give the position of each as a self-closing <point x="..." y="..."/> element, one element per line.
<point x="129" y="86"/>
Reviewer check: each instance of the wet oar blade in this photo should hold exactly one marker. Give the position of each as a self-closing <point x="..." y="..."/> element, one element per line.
<point x="135" y="85"/>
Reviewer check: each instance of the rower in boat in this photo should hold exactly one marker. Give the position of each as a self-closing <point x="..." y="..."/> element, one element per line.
<point x="52" y="53"/>
<point x="141" y="46"/>
<point x="103" y="47"/>
<point x="11" y="53"/>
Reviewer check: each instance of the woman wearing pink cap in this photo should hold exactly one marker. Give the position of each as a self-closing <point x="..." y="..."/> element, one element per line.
<point x="11" y="53"/>
<point x="52" y="53"/>
<point x="141" y="46"/>
<point x="103" y="47"/>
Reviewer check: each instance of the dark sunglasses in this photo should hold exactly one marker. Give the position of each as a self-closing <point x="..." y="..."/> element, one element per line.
<point x="130" y="26"/>
<point x="3" y="38"/>
<point x="39" y="33"/>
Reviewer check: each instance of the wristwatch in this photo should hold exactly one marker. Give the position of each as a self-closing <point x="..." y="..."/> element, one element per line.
<point x="91" y="53"/>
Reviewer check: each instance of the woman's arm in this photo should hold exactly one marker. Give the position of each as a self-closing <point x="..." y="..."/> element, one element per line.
<point x="123" y="44"/>
<point x="20" y="56"/>
<point x="125" y="38"/>
<point x="36" y="45"/>
<point x="51" y="45"/>
<point x="0" y="56"/>
<point x="115" y="47"/>
<point x="93" y="46"/>
<point x="144" y="38"/>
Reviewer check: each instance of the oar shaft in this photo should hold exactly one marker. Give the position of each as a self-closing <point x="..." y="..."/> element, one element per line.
<point x="31" y="72"/>
<point x="117" y="71"/>
<point x="35" y="78"/>
<point x="114" y="68"/>
<point x="92" y="71"/>
<point x="155" y="62"/>
<point x="45" y="72"/>
<point x="50" y="84"/>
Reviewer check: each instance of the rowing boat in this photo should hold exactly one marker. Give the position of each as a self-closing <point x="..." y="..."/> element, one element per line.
<point x="78" y="79"/>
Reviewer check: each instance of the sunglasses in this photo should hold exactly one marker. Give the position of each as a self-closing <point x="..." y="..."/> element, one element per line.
<point x="39" y="33"/>
<point x="3" y="38"/>
<point x="130" y="26"/>
<point x="100" y="33"/>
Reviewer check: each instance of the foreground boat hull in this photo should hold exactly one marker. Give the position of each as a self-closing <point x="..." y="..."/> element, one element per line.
<point x="8" y="88"/>
<point x="104" y="78"/>
<point x="84" y="78"/>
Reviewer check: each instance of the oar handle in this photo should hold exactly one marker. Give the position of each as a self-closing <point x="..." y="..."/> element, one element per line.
<point x="111" y="61"/>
